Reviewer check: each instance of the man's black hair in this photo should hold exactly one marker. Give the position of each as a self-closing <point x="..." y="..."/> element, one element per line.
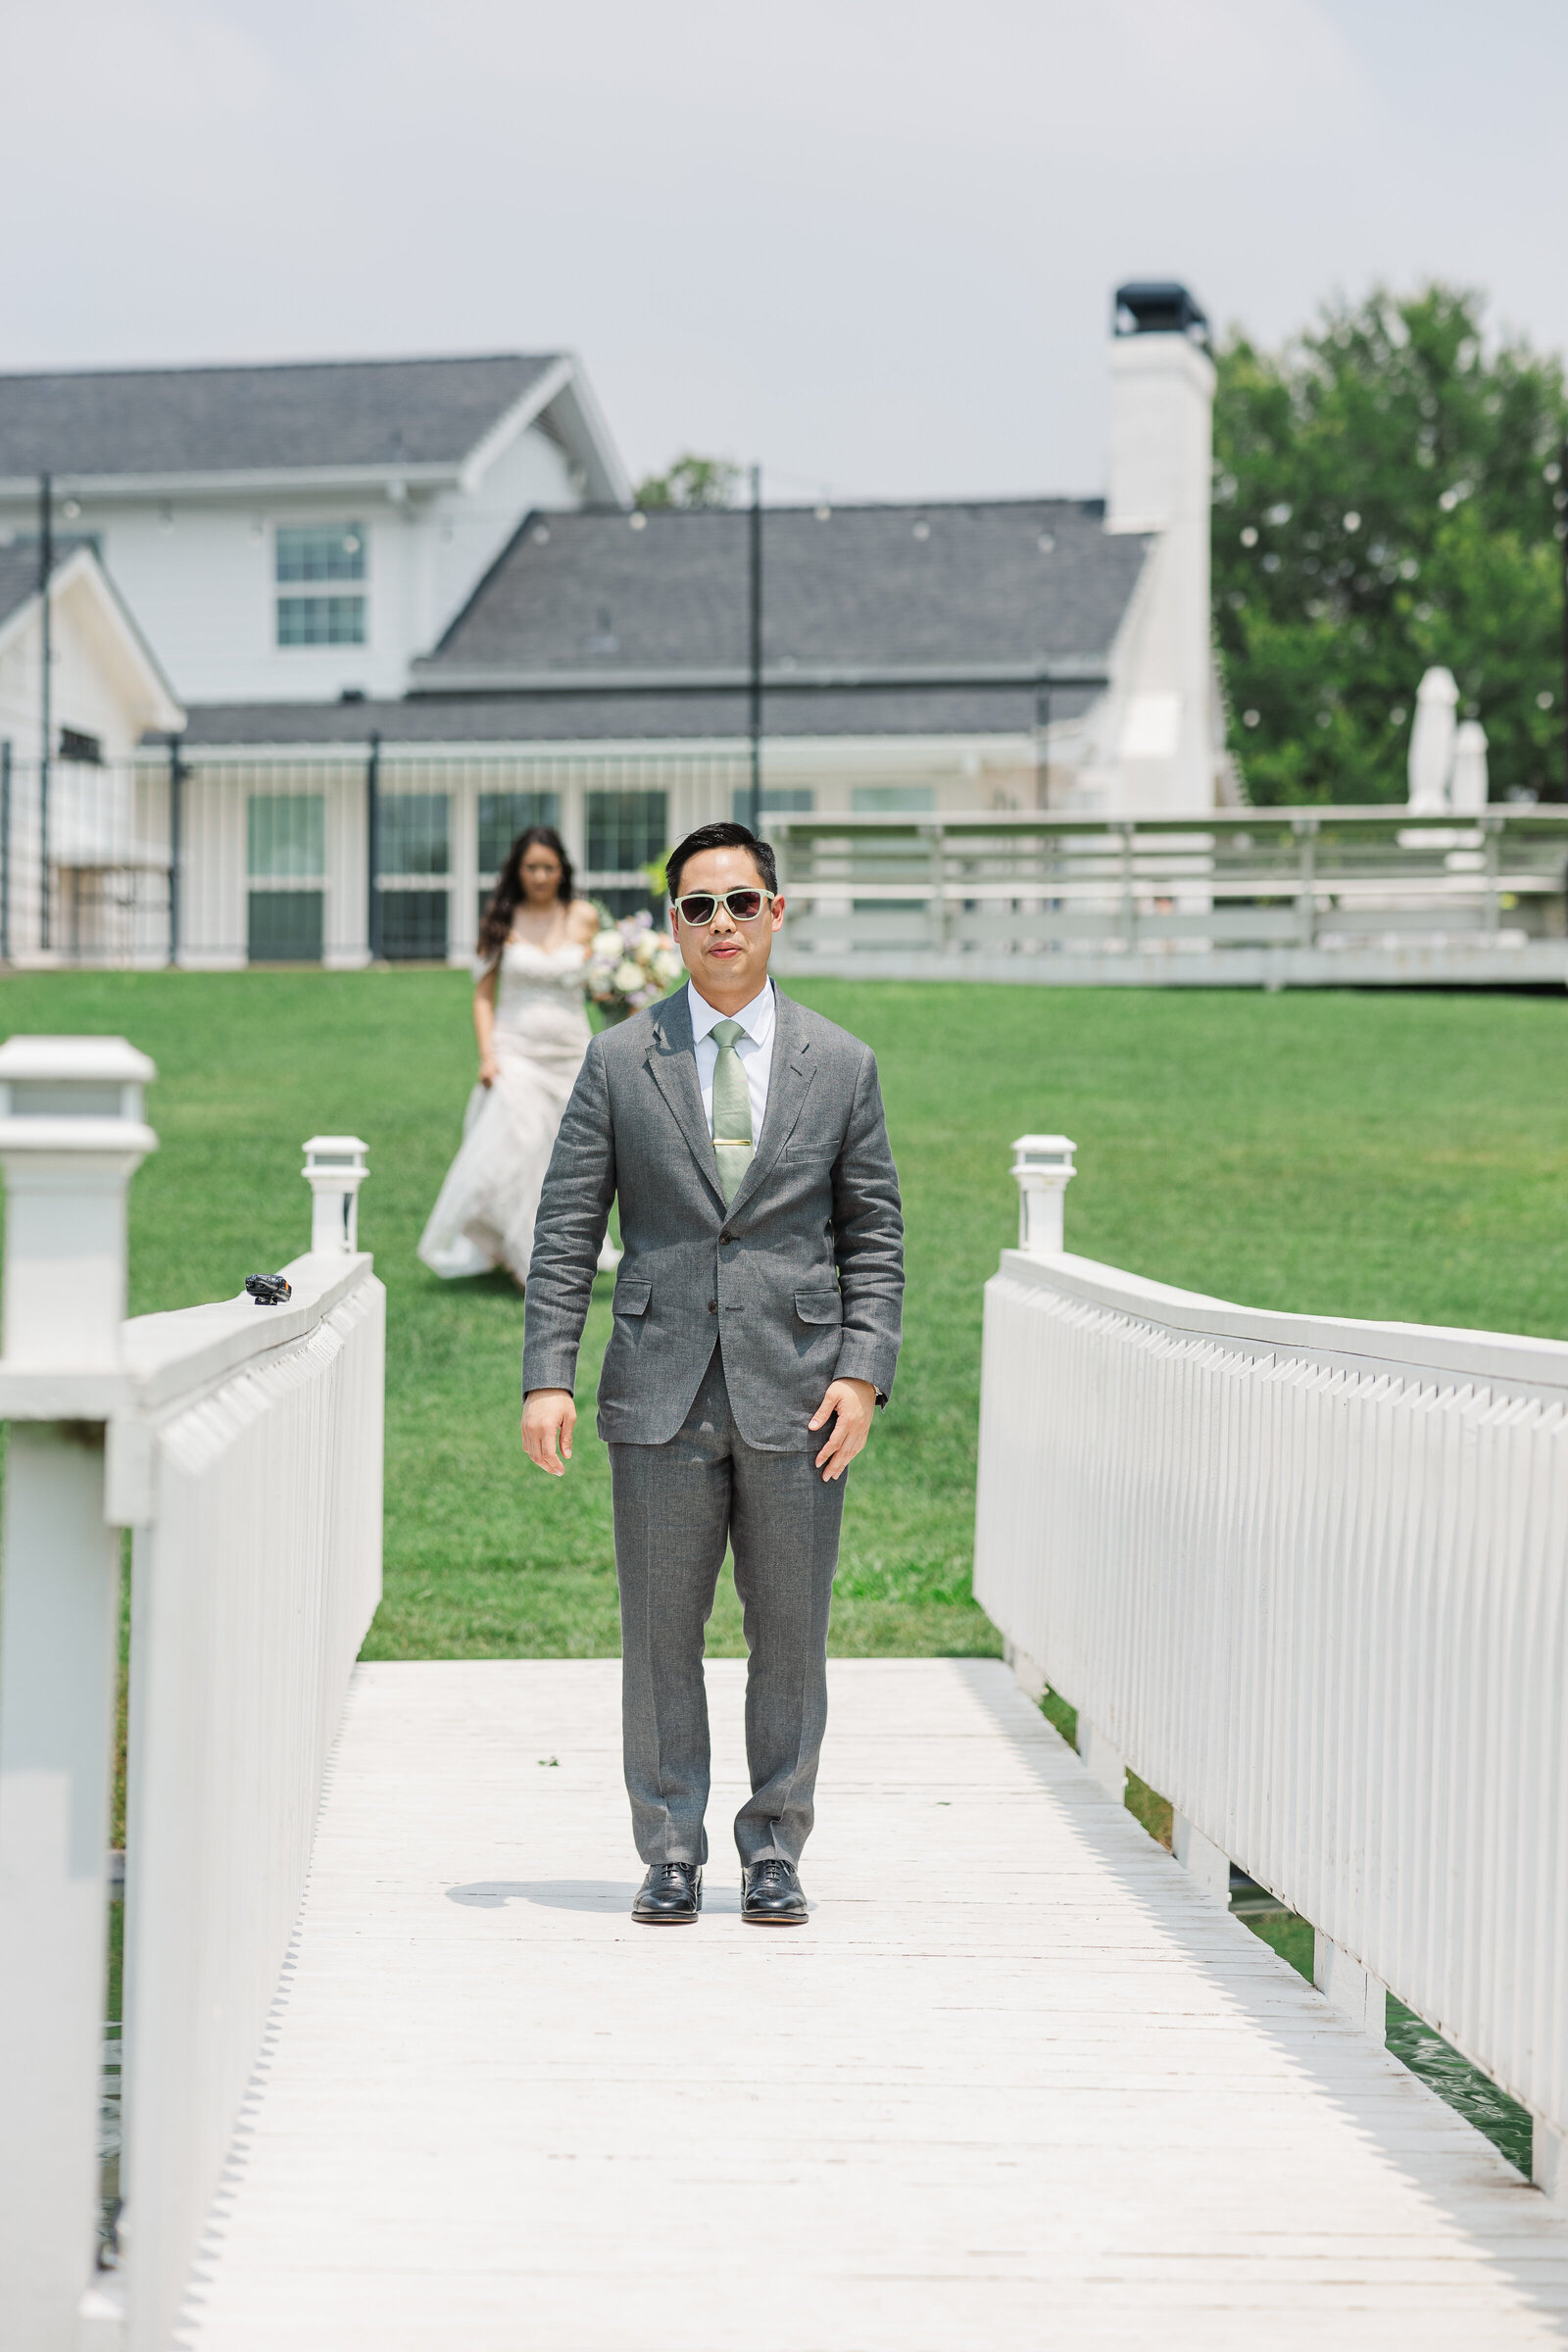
<point x="723" y="836"/>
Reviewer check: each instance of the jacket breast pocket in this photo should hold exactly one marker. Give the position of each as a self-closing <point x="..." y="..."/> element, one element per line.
<point x="819" y="1307"/>
<point x="631" y="1298"/>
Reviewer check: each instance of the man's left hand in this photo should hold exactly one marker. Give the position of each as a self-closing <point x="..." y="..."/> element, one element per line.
<point x="853" y="1403"/>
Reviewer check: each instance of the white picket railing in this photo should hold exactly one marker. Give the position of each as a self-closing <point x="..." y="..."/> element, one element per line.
<point x="1308" y="1579"/>
<point x="242" y="1444"/>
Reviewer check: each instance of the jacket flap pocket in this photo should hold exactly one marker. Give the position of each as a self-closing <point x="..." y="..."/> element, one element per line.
<point x="819" y="1307"/>
<point x="631" y="1298"/>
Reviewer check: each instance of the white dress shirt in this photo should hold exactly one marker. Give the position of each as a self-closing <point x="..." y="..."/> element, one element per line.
<point x="756" y="1050"/>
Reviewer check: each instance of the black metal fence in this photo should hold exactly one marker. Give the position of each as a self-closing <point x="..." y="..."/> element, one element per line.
<point x="216" y="860"/>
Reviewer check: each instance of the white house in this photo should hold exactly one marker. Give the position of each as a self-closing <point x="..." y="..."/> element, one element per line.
<point x="296" y="533"/>
<point x="410" y="608"/>
<point x="83" y="836"/>
<point x="991" y="653"/>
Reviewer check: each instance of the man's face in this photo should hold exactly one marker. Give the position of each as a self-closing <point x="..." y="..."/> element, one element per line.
<point x="727" y="958"/>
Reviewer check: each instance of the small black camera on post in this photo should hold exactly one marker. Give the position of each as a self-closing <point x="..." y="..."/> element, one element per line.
<point x="267" y="1289"/>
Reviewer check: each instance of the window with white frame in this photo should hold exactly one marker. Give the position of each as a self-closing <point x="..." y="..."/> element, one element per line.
<point x="286" y="863"/>
<point x="317" y="565"/>
<point x="413" y="835"/>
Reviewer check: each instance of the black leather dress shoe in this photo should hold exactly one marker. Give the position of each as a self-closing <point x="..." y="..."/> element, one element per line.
<point x="670" y="1896"/>
<point x="771" y="1896"/>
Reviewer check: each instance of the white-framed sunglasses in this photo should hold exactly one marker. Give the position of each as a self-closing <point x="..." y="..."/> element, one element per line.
<point x="699" y="906"/>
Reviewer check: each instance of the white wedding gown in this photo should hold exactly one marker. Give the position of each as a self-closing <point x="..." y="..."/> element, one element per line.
<point x="484" y="1213"/>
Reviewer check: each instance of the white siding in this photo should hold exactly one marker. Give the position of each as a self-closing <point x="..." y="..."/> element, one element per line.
<point x="200" y="576"/>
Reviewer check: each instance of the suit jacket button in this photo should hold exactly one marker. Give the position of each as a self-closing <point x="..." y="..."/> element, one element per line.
<point x="726" y="1237"/>
<point x="712" y="1307"/>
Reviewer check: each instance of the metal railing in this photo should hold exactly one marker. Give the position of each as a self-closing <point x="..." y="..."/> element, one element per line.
<point x="214" y="861"/>
<point x="1291" y="893"/>
<point x="371" y="853"/>
<point x="242" y="1445"/>
<point x="1308" y="1579"/>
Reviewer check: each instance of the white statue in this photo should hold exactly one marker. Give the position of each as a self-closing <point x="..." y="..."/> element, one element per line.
<point x="1467" y="792"/>
<point x="1432" y="741"/>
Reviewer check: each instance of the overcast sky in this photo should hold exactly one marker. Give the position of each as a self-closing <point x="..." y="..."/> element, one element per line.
<point x="871" y="242"/>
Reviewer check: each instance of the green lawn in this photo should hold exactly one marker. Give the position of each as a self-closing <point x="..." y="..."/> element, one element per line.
<point x="1372" y="1154"/>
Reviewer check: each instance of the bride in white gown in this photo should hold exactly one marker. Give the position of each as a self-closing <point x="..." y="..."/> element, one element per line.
<point x="532" y="1030"/>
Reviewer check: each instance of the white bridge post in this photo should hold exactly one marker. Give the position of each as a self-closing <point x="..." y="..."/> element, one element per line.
<point x="72" y="1137"/>
<point x="1353" y="1989"/>
<point x="1201" y="1859"/>
<point x="1044" y="1168"/>
<point x="335" y="1168"/>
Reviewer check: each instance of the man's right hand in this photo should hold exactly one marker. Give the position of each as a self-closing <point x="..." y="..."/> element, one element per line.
<point x="549" y="1417"/>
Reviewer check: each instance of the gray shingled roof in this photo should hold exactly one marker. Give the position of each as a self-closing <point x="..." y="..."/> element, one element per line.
<point x="19" y="565"/>
<point x="1015" y="581"/>
<point x="1005" y="586"/>
<point x="173" y="420"/>
<point x="497" y="718"/>
<point x="18" y="575"/>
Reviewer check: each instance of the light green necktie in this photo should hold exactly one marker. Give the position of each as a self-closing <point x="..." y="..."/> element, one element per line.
<point x="732" y="1111"/>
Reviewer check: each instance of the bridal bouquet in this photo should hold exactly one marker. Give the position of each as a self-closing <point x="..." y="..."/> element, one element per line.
<point x="631" y="965"/>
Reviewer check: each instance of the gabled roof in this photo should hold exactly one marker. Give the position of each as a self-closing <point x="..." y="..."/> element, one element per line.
<point x="18" y="567"/>
<point x="18" y="576"/>
<point x="78" y="575"/>
<point x="325" y="416"/>
<point x="967" y="593"/>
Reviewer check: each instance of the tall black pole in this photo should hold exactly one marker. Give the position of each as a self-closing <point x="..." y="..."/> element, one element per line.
<point x="756" y="650"/>
<point x="46" y="565"/>
<point x="372" y="848"/>
<point x="176" y="778"/>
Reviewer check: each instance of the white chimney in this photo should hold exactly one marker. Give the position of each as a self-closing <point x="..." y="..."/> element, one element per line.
<point x="1161" y="469"/>
<point x="1162" y="411"/>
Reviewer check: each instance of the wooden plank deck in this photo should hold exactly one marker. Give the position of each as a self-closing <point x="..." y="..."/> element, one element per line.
<point x="1041" y="2093"/>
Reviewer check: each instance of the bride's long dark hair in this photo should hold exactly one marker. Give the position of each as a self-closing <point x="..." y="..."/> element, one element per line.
<point x="496" y="927"/>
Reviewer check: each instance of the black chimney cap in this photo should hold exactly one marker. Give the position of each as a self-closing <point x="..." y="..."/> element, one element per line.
<point x="1151" y="307"/>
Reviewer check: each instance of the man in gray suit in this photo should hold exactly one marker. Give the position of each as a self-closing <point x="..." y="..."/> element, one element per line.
<point x="757" y="1326"/>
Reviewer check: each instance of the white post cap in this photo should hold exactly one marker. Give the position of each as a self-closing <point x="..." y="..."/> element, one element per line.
<point x="71" y="1135"/>
<point x="1044" y="1152"/>
<point x="336" y="1151"/>
<point x="73" y="1078"/>
<point x="1043" y="1166"/>
<point x="335" y="1168"/>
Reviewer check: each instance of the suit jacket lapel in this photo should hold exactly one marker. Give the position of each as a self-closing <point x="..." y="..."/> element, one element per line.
<point x="673" y="1066"/>
<point x="788" y="1080"/>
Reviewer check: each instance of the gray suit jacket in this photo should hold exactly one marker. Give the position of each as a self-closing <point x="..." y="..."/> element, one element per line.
<point x="802" y="1277"/>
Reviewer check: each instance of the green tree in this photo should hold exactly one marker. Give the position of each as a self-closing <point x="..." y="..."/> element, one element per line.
<point x="691" y="481"/>
<point x="1388" y="495"/>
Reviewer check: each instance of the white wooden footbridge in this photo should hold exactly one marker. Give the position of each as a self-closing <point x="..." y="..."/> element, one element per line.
<point x="400" y="2073"/>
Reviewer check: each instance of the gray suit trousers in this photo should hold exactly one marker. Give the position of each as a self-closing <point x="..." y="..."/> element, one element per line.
<point x="677" y="1506"/>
